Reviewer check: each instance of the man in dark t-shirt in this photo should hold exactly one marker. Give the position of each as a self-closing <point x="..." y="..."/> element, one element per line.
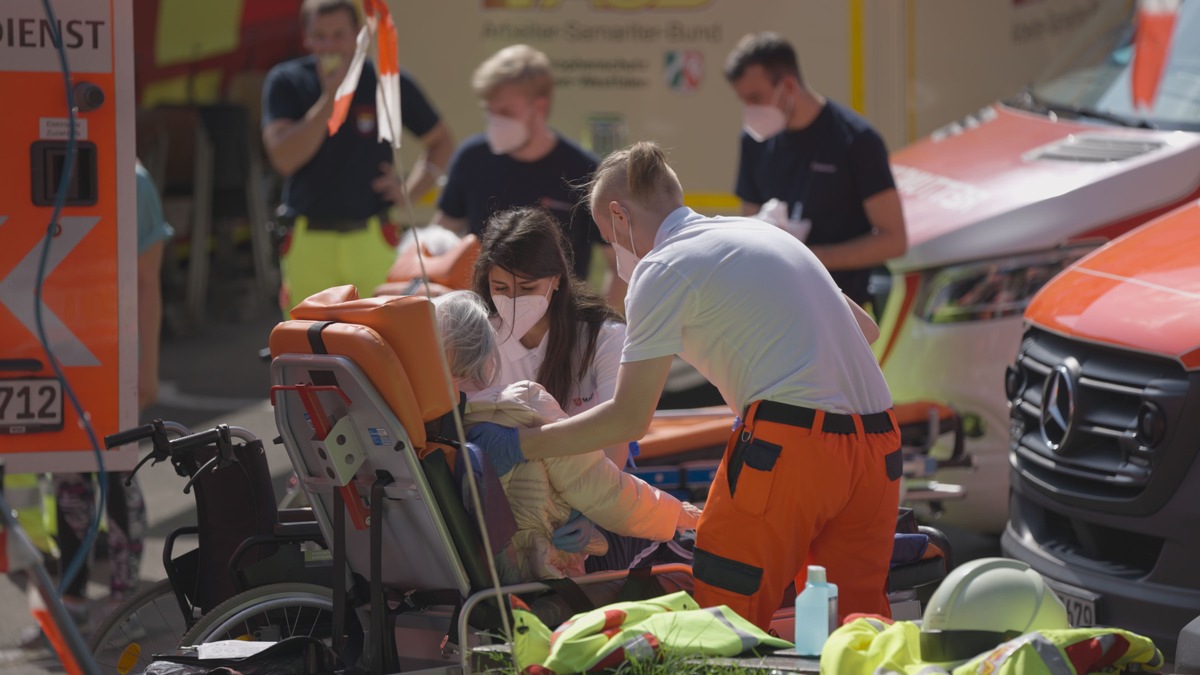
<point x="826" y="164"/>
<point x="521" y="160"/>
<point x="338" y="189"/>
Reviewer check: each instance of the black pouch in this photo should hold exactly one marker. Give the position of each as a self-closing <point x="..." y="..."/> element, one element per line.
<point x="893" y="463"/>
<point x="750" y="472"/>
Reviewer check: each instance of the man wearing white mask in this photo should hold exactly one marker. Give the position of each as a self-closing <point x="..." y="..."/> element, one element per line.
<point x="823" y="161"/>
<point x="520" y="160"/>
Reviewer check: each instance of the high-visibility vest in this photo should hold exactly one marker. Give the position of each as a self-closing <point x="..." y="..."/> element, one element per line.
<point x="871" y="646"/>
<point x="632" y="631"/>
<point x="25" y="493"/>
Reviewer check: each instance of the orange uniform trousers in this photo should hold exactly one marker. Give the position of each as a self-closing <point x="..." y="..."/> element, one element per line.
<point x="796" y="487"/>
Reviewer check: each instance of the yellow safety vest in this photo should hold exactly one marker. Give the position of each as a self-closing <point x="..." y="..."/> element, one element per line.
<point x="870" y="646"/>
<point x="31" y="502"/>
<point x="671" y="625"/>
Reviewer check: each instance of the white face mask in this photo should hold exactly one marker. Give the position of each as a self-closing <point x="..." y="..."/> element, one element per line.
<point x="505" y="134"/>
<point x="763" y="121"/>
<point x="626" y="259"/>
<point x="518" y="315"/>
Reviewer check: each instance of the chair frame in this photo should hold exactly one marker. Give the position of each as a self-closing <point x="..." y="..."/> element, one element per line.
<point x="325" y="406"/>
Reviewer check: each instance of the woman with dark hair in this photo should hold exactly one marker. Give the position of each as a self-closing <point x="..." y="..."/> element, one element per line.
<point x="553" y="329"/>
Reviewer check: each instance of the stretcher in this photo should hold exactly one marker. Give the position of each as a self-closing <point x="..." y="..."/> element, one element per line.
<point x="451" y="269"/>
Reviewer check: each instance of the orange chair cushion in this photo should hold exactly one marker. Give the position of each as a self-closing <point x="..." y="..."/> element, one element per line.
<point x="452" y="269"/>
<point x="367" y="349"/>
<point x="407" y="324"/>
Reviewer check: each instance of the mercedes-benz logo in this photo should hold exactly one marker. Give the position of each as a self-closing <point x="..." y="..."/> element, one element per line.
<point x="1058" y="407"/>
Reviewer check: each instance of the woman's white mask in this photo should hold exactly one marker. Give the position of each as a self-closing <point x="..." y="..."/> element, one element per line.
<point x="505" y="134"/>
<point x="519" y="315"/>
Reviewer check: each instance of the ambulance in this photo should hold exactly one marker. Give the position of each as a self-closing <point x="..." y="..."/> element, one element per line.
<point x="1001" y="201"/>
<point x="1103" y="396"/>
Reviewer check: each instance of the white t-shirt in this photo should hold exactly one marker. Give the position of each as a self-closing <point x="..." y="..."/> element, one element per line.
<point x="755" y="312"/>
<point x="598" y="384"/>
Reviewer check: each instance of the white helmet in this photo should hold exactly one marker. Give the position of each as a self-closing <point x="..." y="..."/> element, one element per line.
<point x="984" y="603"/>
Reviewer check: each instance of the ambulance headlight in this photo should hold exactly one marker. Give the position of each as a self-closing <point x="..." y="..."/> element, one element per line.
<point x="991" y="289"/>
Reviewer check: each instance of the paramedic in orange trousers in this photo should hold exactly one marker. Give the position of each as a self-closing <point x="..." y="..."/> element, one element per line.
<point x="811" y="474"/>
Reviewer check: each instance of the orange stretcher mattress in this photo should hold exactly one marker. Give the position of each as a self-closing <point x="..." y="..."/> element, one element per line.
<point x="673" y="432"/>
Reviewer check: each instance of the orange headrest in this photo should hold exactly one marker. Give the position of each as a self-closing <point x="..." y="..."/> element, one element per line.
<point x="451" y="269"/>
<point x="406" y="324"/>
<point x="372" y="355"/>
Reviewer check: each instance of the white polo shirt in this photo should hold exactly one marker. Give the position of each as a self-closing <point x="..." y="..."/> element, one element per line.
<point x="755" y="312"/>
<point x="598" y="384"/>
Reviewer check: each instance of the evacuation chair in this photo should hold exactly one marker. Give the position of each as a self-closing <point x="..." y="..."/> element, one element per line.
<point x="358" y="384"/>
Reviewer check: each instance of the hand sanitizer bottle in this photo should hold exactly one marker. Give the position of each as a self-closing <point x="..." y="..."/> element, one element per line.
<point x="816" y="613"/>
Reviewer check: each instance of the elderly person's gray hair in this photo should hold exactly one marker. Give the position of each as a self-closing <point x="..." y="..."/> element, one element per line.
<point x="468" y="338"/>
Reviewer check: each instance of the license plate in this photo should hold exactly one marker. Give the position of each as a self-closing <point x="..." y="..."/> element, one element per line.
<point x="30" y="406"/>
<point x="1080" y="604"/>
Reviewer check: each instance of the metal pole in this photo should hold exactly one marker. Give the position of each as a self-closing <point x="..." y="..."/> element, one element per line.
<point x="45" y="585"/>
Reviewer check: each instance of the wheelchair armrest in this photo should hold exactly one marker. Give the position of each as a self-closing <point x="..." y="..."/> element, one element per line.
<point x="298" y="531"/>
<point x="940" y="540"/>
<point x="169" y="544"/>
<point x="918" y="573"/>
<point x="301" y="515"/>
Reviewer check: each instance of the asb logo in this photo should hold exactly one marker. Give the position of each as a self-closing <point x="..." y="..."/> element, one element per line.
<point x="683" y="70"/>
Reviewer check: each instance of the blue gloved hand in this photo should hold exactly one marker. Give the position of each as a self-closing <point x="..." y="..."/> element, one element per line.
<point x="573" y="535"/>
<point x="500" y="444"/>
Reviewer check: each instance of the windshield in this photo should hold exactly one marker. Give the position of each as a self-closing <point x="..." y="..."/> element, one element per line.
<point x="1093" y="75"/>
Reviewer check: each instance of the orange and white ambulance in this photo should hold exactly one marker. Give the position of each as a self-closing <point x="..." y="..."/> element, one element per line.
<point x="1000" y="202"/>
<point x="83" y="311"/>
<point x="1104" y="394"/>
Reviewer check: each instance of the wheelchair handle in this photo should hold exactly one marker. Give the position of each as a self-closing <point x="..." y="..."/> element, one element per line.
<point x="214" y="435"/>
<point x="129" y="436"/>
<point x="143" y="432"/>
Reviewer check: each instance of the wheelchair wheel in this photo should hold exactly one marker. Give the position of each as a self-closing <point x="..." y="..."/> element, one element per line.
<point x="148" y="623"/>
<point x="269" y="613"/>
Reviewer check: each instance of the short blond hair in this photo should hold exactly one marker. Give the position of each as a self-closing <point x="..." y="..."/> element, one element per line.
<point x="519" y="65"/>
<point x="639" y="173"/>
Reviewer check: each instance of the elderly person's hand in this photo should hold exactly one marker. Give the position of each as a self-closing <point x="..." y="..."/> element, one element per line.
<point x="501" y="445"/>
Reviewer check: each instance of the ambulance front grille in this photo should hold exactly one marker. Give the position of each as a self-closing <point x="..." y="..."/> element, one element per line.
<point x="1100" y="458"/>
